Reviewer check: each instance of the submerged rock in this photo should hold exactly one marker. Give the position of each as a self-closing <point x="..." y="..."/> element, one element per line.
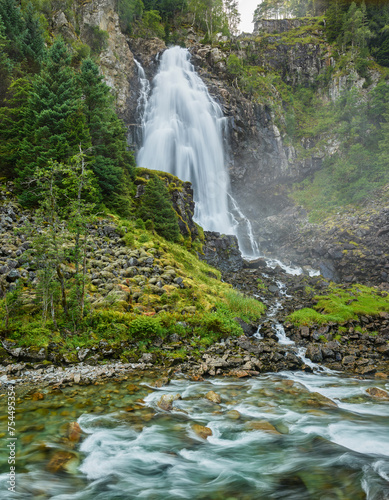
<point x="62" y="461"/>
<point x="377" y="393"/>
<point x="202" y="431"/>
<point x="262" y="425"/>
<point x="214" y="397"/>
<point x="74" y="432"/>
<point x="166" y="401"/>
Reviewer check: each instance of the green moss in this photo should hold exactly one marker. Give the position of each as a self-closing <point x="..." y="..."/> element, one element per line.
<point x="342" y="305"/>
<point x="215" y="305"/>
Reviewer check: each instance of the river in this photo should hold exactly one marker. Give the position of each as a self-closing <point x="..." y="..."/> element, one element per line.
<point x="286" y="435"/>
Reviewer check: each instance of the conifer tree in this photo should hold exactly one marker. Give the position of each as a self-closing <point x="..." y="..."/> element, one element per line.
<point x="157" y="206"/>
<point x="5" y="62"/>
<point x="12" y="119"/>
<point x="34" y="46"/>
<point x="107" y="133"/>
<point x="14" y="27"/>
<point x="55" y="124"/>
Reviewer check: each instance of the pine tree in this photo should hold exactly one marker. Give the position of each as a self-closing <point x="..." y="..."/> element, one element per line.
<point x="334" y="19"/>
<point x="5" y="62"/>
<point x="14" y="28"/>
<point x="55" y="124"/>
<point x="157" y="206"/>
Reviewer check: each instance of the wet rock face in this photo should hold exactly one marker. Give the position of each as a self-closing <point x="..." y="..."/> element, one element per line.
<point x="147" y="52"/>
<point x="222" y="252"/>
<point x="351" y="247"/>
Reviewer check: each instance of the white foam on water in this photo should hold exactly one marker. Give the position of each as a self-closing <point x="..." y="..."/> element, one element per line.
<point x="183" y="134"/>
<point x="369" y="440"/>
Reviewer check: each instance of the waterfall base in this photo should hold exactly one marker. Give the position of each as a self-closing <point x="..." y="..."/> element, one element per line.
<point x="222" y="251"/>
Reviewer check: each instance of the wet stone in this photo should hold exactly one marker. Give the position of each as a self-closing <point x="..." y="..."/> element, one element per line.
<point x="375" y="392"/>
<point x="202" y="431"/>
<point x="214" y="397"/>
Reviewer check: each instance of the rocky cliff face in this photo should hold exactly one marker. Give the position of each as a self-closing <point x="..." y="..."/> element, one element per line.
<point x="116" y="61"/>
<point x="222" y="252"/>
<point x="271" y="26"/>
<point x="351" y="247"/>
<point x="261" y="164"/>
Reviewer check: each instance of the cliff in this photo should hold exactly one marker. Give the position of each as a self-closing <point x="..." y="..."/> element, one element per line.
<point x="265" y="159"/>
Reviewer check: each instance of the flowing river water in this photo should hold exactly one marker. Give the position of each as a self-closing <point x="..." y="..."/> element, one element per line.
<point x="286" y="435"/>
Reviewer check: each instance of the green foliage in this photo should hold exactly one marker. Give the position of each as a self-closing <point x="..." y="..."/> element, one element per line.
<point x="145" y="327"/>
<point x="234" y="65"/>
<point x="363" y="28"/>
<point x="144" y="238"/>
<point x="129" y="11"/>
<point x="54" y="124"/>
<point x="359" y="168"/>
<point x="217" y="325"/>
<point x="246" y="308"/>
<point x="107" y="134"/>
<point x="274" y="9"/>
<point x="24" y="32"/>
<point x="139" y="224"/>
<point x="341" y="305"/>
<point x="12" y="122"/>
<point x="97" y="38"/>
<point x="334" y="19"/>
<point x="46" y="117"/>
<point x="152" y="20"/>
<point x="157" y="207"/>
<point x="167" y="8"/>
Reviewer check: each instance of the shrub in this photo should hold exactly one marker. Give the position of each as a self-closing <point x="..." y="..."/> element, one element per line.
<point x="139" y="224"/>
<point x="145" y="327"/>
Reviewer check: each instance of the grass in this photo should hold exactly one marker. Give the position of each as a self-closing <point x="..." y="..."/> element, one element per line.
<point x="246" y="308"/>
<point x="204" y="309"/>
<point x="342" y="305"/>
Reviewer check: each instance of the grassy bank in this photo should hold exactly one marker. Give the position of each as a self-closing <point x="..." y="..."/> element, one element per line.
<point x="341" y="305"/>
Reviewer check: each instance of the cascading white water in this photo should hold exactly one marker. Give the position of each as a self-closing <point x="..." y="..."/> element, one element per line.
<point x="244" y="231"/>
<point x="183" y="134"/>
<point x="144" y="89"/>
<point x="135" y="136"/>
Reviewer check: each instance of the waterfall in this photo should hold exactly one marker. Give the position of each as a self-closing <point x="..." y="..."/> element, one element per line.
<point x="183" y="134"/>
<point x="244" y="231"/>
<point x="144" y="89"/>
<point x="144" y="92"/>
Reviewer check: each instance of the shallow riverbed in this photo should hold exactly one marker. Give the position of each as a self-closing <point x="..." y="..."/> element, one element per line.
<point x="286" y="435"/>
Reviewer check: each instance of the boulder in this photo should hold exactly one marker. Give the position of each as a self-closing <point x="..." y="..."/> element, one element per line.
<point x="375" y="392"/>
<point x="214" y="397"/>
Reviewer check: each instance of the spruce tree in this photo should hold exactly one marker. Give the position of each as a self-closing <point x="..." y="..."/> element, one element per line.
<point x="157" y="206"/>
<point x="5" y="62"/>
<point x="55" y="124"/>
<point x="34" y="45"/>
<point x="12" y="120"/>
<point x="14" y="27"/>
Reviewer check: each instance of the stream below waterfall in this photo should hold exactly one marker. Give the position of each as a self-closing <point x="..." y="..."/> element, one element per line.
<point x="287" y="435"/>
